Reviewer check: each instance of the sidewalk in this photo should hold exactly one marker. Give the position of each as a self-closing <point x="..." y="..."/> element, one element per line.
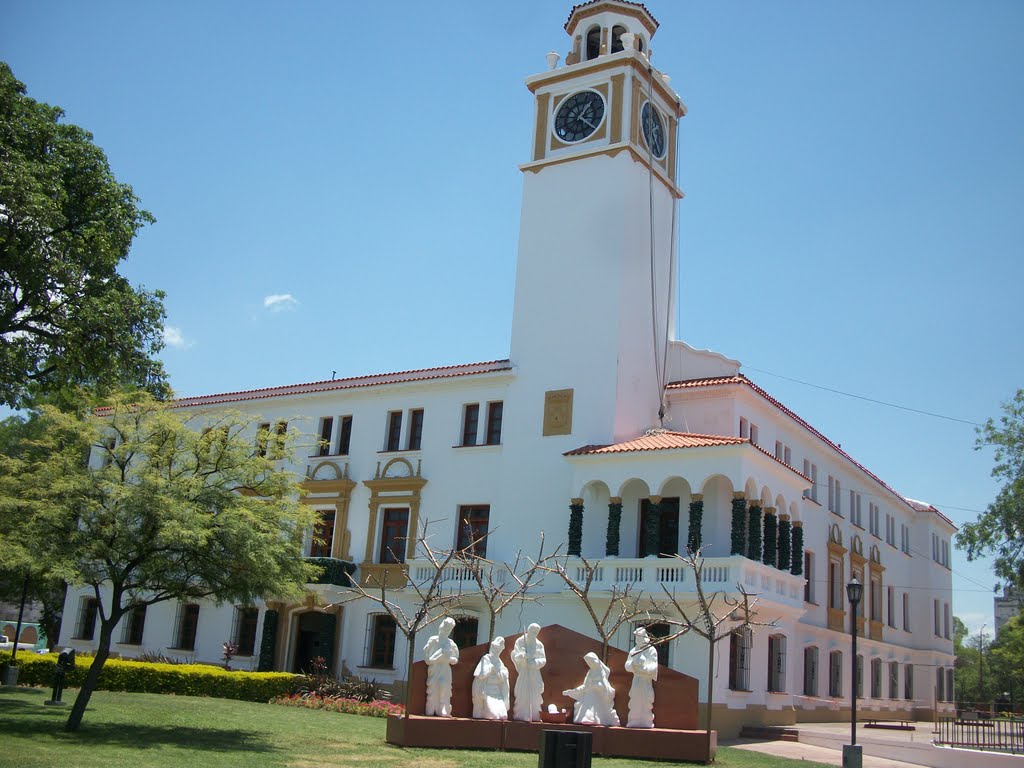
<point x="794" y="750"/>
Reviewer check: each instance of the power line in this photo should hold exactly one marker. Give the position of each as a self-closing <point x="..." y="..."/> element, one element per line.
<point x="866" y="399"/>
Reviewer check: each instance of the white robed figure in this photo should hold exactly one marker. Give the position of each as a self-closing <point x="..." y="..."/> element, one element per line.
<point x="595" y="699"/>
<point x="529" y="658"/>
<point x="643" y="663"/>
<point x="490" y="684"/>
<point x="440" y="653"/>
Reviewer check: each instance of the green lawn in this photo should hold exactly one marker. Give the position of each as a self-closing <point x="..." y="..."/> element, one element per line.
<point x="138" y="730"/>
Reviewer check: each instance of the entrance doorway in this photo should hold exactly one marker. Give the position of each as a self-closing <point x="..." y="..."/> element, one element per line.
<point x="668" y="527"/>
<point x="314" y="636"/>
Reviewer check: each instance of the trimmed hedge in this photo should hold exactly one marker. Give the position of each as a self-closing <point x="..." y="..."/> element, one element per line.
<point x="343" y="705"/>
<point x="144" y="677"/>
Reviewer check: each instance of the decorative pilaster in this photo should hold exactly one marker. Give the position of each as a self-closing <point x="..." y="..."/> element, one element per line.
<point x="575" y="527"/>
<point x="771" y="537"/>
<point x="268" y="644"/>
<point x="738" y="536"/>
<point x="754" y="532"/>
<point x="693" y="534"/>
<point x="611" y="546"/>
<point x="797" y="565"/>
<point x="652" y="526"/>
<point x="785" y="543"/>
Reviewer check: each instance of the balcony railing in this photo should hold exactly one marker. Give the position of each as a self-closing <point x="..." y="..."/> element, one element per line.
<point x="335" y="571"/>
<point x="652" y="575"/>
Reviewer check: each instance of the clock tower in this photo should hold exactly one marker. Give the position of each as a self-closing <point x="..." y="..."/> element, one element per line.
<point x="595" y="278"/>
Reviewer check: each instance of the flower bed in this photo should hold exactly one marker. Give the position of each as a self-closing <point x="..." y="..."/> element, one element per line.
<point x="338" y="704"/>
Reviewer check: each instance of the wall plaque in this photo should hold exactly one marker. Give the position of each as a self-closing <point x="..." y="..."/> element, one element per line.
<point x="557" y="412"/>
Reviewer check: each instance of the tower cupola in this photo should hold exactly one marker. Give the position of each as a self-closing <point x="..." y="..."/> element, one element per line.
<point x="601" y="27"/>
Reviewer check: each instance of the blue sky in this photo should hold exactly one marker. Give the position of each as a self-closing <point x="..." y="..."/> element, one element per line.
<point x="853" y="211"/>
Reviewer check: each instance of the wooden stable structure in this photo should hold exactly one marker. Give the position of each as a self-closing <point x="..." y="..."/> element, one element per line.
<point x="674" y="737"/>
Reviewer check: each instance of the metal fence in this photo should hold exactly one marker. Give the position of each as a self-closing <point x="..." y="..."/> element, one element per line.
<point x="997" y="734"/>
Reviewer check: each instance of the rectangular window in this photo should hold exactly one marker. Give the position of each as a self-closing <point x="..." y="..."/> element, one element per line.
<point x="186" y="627"/>
<point x="243" y="633"/>
<point x="894" y="679"/>
<point x="839" y="497"/>
<point x="835" y="674"/>
<point x="753" y="434"/>
<point x="935" y="548"/>
<point x="876" y="678"/>
<point x="262" y="439"/>
<point x="415" y="429"/>
<point x="473" y="522"/>
<point x="494" y="415"/>
<point x="392" y="440"/>
<point x="776" y="663"/>
<point x="470" y="423"/>
<point x="279" y="440"/>
<point x="787" y="456"/>
<point x="382" y="641"/>
<point x="906" y="612"/>
<point x="873" y="519"/>
<point x="814" y="482"/>
<point x="835" y="584"/>
<point x="945" y="553"/>
<point x="345" y="435"/>
<point x="890" y="604"/>
<point x="778" y="450"/>
<point x="655" y="631"/>
<point x="875" y="600"/>
<point x="905" y="539"/>
<point x="323" y="534"/>
<point x="945" y="621"/>
<point x="394" y="532"/>
<point x="908" y="681"/>
<point x="935" y="603"/>
<point x="134" y="626"/>
<point x="326" y="428"/>
<point x="739" y="660"/>
<point x="810" y="671"/>
<point x="744" y="427"/>
<point x="831" y="494"/>
<point x="808" y="577"/>
<point x="85" y="627"/>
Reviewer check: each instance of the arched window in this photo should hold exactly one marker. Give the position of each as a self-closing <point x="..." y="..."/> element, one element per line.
<point x="617" y="32"/>
<point x="593" y="42"/>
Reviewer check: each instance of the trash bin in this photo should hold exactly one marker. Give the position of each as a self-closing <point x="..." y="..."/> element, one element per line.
<point x="11" y="675"/>
<point x="565" y="749"/>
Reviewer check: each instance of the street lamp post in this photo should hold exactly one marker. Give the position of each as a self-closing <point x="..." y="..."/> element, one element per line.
<point x="852" y="754"/>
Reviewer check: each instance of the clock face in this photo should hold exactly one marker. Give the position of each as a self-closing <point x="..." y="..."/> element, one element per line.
<point x="654" y="130"/>
<point x="579" y="115"/>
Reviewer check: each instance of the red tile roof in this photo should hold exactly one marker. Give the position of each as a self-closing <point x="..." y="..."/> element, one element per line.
<point x="740" y="379"/>
<point x="376" y="379"/>
<point x="659" y="441"/>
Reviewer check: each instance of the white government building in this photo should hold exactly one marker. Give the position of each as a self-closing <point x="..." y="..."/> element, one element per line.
<point x="566" y="430"/>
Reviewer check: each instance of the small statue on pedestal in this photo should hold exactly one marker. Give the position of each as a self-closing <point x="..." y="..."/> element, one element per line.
<point x="440" y="653"/>
<point x="595" y="698"/>
<point x="643" y="663"/>
<point x="529" y="658"/>
<point x="490" y="684"/>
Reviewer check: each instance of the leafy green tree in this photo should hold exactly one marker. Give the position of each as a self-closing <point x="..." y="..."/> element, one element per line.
<point x="66" y="315"/>
<point x="1006" y="656"/>
<point x="999" y="530"/>
<point x="173" y="505"/>
<point x="959" y="634"/>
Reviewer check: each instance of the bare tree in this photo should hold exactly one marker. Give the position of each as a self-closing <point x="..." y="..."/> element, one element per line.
<point x="713" y="623"/>
<point x="427" y="598"/>
<point x="499" y="587"/>
<point x="625" y="603"/>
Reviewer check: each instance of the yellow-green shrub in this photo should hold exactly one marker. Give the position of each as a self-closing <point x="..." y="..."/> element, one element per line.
<point x="143" y="677"/>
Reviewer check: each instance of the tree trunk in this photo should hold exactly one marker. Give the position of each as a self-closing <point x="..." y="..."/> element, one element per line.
<point x="490" y="629"/>
<point x="411" y="640"/>
<point x="711" y="682"/>
<point x="93" y="676"/>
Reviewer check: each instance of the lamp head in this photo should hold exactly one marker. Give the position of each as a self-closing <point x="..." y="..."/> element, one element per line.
<point x="854" y="591"/>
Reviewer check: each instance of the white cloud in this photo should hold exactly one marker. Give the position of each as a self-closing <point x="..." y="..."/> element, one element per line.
<point x="278" y="302"/>
<point x="173" y="337"/>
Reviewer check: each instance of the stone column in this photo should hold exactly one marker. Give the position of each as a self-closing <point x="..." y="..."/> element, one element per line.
<point x="738" y="536"/>
<point x="575" y="527"/>
<point x="754" y="531"/>
<point x="796" y="567"/>
<point x="611" y="546"/>
<point x="653" y="525"/>
<point x="771" y="537"/>
<point x="693" y="531"/>
<point x="785" y="543"/>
